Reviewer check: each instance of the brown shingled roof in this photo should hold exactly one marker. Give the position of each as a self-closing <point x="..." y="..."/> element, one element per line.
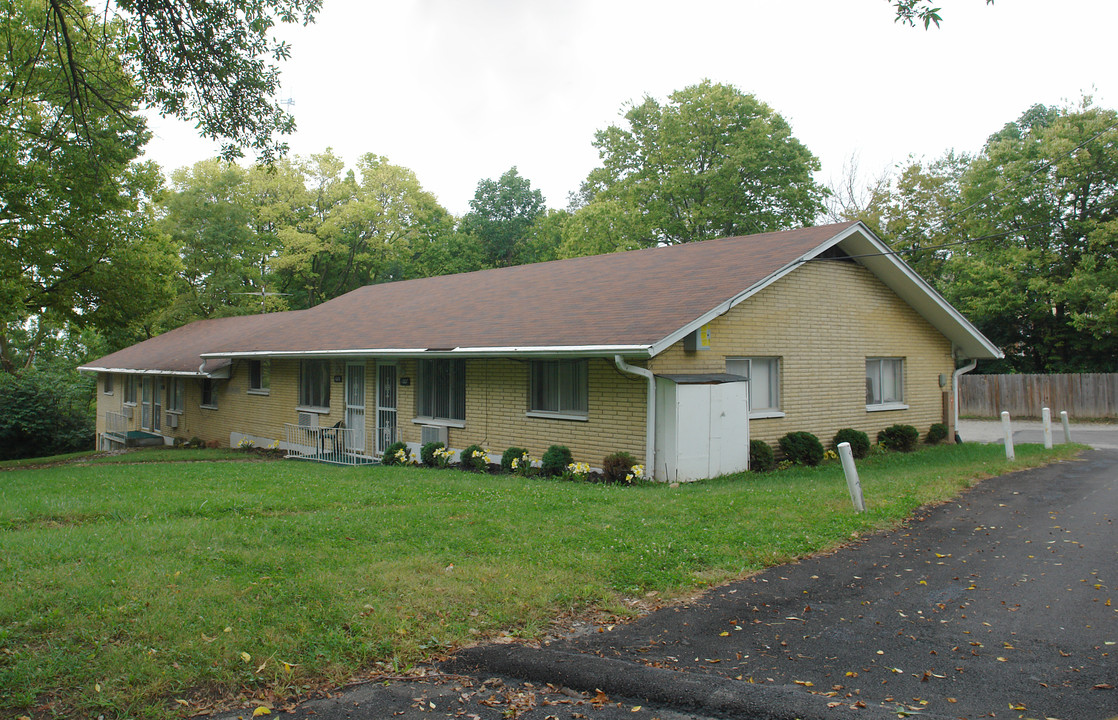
<point x="630" y="299"/>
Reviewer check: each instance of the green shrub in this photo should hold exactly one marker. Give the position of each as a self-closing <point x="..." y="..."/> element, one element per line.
<point x="616" y="466"/>
<point x="761" y="458"/>
<point x="556" y="460"/>
<point x="44" y="413"/>
<point x="513" y="453"/>
<point x="937" y="433"/>
<point x="899" y="437"/>
<point x="396" y="454"/>
<point x="474" y="457"/>
<point x="802" y="448"/>
<point x="427" y="453"/>
<point x="859" y="442"/>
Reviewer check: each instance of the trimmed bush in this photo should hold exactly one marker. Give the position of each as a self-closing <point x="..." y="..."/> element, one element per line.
<point x="616" y="466"/>
<point x="937" y="433"/>
<point x="427" y="453"/>
<point x="556" y="460"/>
<point x="802" y="448"/>
<point x="513" y="453"/>
<point x="899" y="437"/>
<point x="392" y="454"/>
<point x="474" y="457"/>
<point x="859" y="442"/>
<point x="761" y="458"/>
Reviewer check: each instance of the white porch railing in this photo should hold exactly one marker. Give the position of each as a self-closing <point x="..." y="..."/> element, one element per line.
<point x="342" y="446"/>
<point x="116" y="424"/>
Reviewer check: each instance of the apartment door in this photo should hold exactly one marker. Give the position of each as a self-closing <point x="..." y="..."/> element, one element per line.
<point x="386" y="407"/>
<point x="355" y="406"/>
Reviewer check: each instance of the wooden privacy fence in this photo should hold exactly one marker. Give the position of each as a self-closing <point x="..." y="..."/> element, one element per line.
<point x="1085" y="395"/>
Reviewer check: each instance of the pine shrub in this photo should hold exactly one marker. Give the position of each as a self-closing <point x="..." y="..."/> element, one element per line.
<point x="899" y="437"/>
<point x="616" y="466"/>
<point x="802" y="448"/>
<point x="474" y="457"/>
<point x="761" y="457"/>
<point x="937" y="433"/>
<point x="556" y="460"/>
<point x="427" y="453"/>
<point x="859" y="442"/>
<point x="513" y="453"/>
<point x="391" y="454"/>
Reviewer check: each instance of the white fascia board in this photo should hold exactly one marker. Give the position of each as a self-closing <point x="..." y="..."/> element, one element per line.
<point x="134" y="371"/>
<point x="484" y="352"/>
<point x="885" y="265"/>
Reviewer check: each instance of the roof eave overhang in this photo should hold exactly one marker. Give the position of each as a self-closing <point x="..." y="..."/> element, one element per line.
<point x="557" y="351"/>
<point x="878" y="258"/>
<point x="135" y="371"/>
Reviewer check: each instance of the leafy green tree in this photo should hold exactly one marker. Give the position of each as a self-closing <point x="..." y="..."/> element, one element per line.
<point x="501" y="214"/>
<point x="711" y="162"/>
<point x="47" y="407"/>
<point x="911" y="12"/>
<point x="544" y="238"/>
<point x="212" y="63"/>
<point x="359" y="232"/>
<point x="917" y="212"/>
<point x="1044" y="195"/>
<point x="207" y="216"/>
<point x="75" y="209"/>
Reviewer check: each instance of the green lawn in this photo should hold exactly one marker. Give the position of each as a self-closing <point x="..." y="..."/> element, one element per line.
<point x="154" y="589"/>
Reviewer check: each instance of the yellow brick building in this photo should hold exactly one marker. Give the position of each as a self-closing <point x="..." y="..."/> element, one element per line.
<point x="830" y="329"/>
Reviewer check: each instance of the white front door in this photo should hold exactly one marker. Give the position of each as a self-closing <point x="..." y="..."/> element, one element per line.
<point x="355" y="406"/>
<point x="386" y="407"/>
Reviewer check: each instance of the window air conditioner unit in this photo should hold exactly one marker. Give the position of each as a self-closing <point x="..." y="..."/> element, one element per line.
<point x="128" y="412"/>
<point x="308" y="420"/>
<point x="432" y="433"/>
<point x="172" y="420"/>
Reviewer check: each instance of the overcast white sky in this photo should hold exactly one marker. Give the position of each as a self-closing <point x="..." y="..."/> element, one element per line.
<point x="460" y="90"/>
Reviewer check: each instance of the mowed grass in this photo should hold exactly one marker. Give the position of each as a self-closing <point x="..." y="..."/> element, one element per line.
<point x="158" y="589"/>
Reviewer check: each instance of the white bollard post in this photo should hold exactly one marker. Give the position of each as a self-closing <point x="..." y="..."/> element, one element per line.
<point x="1009" y="455"/>
<point x="1046" y="418"/>
<point x="853" y="484"/>
<point x="1067" y="425"/>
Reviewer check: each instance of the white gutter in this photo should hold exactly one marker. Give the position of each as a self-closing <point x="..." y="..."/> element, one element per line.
<point x="133" y="371"/>
<point x="479" y="352"/>
<point x="955" y="386"/>
<point x="650" y="412"/>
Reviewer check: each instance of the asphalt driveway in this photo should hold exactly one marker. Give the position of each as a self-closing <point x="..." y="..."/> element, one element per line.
<point x="997" y="604"/>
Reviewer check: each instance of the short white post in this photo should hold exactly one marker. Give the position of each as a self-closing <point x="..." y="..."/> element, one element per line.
<point x="1009" y="455"/>
<point x="1046" y="418"/>
<point x="1067" y="425"/>
<point x="853" y="484"/>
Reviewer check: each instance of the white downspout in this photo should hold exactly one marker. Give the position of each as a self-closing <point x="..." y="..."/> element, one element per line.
<point x="955" y="387"/>
<point x="650" y="412"/>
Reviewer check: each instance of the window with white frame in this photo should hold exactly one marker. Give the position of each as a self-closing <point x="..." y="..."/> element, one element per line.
<point x="560" y="387"/>
<point x="107" y="388"/>
<point x="130" y="389"/>
<point x="884" y="382"/>
<point x="764" y="381"/>
<point x="441" y="391"/>
<point x="175" y="388"/>
<point x="314" y="383"/>
<point x="259" y="376"/>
